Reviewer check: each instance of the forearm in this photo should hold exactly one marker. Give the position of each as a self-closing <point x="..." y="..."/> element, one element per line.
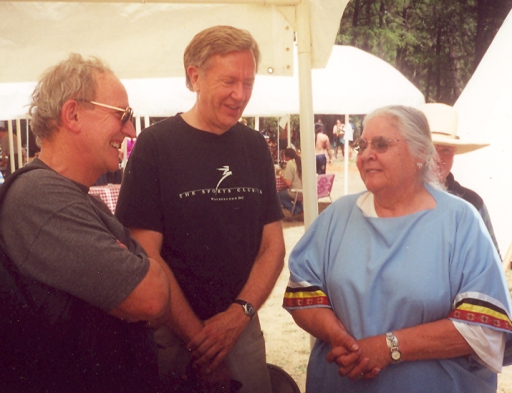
<point x="150" y="298"/>
<point x="179" y="316"/>
<point x="322" y="323"/>
<point x="267" y="266"/>
<point x="435" y="340"/>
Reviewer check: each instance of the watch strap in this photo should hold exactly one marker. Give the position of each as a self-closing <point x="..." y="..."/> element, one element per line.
<point x="248" y="307"/>
<point x="392" y="343"/>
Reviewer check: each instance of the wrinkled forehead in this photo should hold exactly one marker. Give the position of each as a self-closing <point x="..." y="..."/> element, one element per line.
<point x="109" y="87"/>
<point x="381" y="126"/>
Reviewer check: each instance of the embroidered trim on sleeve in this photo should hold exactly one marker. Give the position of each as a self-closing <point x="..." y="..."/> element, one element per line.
<point x="302" y="297"/>
<point x="482" y="310"/>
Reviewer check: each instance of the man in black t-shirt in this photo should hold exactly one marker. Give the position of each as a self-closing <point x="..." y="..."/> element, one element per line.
<point x="199" y="193"/>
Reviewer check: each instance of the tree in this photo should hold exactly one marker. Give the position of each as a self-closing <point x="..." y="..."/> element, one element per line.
<point x="436" y="44"/>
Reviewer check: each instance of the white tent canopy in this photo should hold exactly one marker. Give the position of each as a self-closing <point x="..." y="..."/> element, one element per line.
<point x="353" y="81"/>
<point x="146" y="40"/>
<point x="485" y="114"/>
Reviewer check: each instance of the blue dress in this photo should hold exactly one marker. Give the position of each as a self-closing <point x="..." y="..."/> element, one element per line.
<point x="386" y="274"/>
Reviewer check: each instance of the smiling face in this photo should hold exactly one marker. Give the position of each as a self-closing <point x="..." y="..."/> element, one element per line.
<point x="389" y="171"/>
<point x="223" y="90"/>
<point x="103" y="131"/>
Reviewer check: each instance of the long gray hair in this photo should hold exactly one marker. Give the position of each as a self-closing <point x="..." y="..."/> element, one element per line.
<point x="412" y="125"/>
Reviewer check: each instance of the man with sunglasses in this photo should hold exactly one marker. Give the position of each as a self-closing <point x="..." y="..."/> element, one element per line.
<point x="199" y="193"/>
<point x="91" y="289"/>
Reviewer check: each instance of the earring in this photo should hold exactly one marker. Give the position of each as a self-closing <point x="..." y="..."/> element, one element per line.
<point x="420" y="165"/>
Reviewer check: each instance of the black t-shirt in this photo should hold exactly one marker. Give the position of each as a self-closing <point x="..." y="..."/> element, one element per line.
<point x="210" y="196"/>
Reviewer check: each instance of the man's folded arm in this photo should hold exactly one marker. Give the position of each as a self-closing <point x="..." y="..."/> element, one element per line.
<point x="150" y="298"/>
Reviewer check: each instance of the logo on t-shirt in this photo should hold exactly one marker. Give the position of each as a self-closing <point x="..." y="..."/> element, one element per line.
<point x="226" y="173"/>
<point x="219" y="194"/>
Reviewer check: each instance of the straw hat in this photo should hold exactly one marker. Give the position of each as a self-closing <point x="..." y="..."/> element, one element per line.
<point x="443" y="121"/>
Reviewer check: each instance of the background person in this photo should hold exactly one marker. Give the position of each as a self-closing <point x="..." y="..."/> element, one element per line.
<point x="214" y="220"/>
<point x="4" y="143"/>
<point x="443" y="121"/>
<point x="292" y="177"/>
<point x="86" y="277"/>
<point x="322" y="147"/>
<point x="337" y="133"/>
<point x="400" y="284"/>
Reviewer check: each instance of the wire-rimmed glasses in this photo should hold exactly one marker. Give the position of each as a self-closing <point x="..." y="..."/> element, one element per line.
<point x="379" y="143"/>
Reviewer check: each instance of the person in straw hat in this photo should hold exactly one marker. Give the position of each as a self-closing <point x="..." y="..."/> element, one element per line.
<point x="443" y="121"/>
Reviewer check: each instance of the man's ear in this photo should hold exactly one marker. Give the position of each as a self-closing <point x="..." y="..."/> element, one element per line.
<point x="70" y="116"/>
<point x="193" y="74"/>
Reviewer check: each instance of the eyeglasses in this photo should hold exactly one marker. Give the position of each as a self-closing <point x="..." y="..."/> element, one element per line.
<point x="379" y="144"/>
<point x="127" y="113"/>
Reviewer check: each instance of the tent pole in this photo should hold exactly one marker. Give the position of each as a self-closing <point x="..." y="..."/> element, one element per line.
<point x="289" y="130"/>
<point x="307" y="138"/>
<point x="11" y="147"/>
<point x="20" y="150"/>
<point x="346" y="149"/>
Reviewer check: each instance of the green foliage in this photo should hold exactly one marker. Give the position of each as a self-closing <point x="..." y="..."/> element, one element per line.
<point x="432" y="42"/>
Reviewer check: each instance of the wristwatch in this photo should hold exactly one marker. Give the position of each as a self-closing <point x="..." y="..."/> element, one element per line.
<point x="248" y="307"/>
<point x="395" y="354"/>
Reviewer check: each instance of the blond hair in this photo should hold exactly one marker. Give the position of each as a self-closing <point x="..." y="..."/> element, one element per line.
<point x="217" y="40"/>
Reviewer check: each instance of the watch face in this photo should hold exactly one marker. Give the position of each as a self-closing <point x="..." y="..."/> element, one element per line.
<point x="395" y="355"/>
<point x="249" y="309"/>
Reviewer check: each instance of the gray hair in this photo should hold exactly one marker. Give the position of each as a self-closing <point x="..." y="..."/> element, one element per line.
<point x="74" y="78"/>
<point x="217" y="40"/>
<point x="412" y="125"/>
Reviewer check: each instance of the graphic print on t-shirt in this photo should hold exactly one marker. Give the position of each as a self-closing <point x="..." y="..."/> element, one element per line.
<point x="226" y="173"/>
<point x="223" y="194"/>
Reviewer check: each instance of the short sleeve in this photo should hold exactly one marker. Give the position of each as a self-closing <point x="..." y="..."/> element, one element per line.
<point x="307" y="264"/>
<point x="139" y="202"/>
<point x="480" y="290"/>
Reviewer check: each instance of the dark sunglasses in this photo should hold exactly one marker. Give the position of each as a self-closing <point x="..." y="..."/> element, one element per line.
<point x="379" y="144"/>
<point x="127" y="113"/>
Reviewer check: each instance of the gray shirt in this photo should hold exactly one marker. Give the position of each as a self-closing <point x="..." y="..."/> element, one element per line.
<point x="56" y="233"/>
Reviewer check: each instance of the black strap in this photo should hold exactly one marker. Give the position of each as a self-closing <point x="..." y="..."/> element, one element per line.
<point x="13" y="176"/>
<point x="10" y="293"/>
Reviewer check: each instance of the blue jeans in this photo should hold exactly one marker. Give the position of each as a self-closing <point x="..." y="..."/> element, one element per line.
<point x="287" y="202"/>
<point x="321" y="163"/>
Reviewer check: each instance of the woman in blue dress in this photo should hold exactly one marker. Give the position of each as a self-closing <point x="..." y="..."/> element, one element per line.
<point x="401" y="284"/>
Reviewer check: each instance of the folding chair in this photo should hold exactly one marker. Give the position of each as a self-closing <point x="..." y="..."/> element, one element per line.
<point x="298" y="198"/>
<point x="324" y="185"/>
